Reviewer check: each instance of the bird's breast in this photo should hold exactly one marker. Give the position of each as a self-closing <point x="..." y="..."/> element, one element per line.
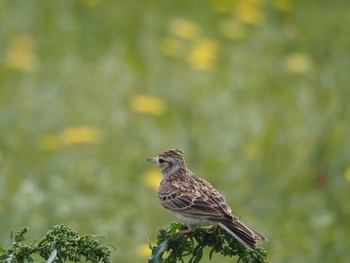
<point x="192" y="220"/>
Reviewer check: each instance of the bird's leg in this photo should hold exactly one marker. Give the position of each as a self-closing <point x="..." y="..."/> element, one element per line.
<point x="190" y="229"/>
<point x="219" y="231"/>
<point x="217" y="228"/>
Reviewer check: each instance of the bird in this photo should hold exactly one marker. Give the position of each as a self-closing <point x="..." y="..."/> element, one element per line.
<point x="196" y="202"/>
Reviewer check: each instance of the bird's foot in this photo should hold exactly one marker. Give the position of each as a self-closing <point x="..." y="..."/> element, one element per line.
<point x="190" y="229"/>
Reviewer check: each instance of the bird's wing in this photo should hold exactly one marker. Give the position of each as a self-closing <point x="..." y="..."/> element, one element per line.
<point x="193" y="198"/>
<point x="215" y="195"/>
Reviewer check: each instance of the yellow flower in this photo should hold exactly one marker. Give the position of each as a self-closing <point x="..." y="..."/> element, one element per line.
<point x="184" y="28"/>
<point x="20" y="55"/>
<point x="144" y="250"/>
<point x="152" y="178"/>
<point x="80" y="135"/>
<point x="170" y="46"/>
<point x="347" y="174"/>
<point x="298" y="63"/>
<point x="232" y="29"/>
<point x="203" y="54"/>
<point x="249" y="12"/>
<point x="49" y="143"/>
<point x="148" y="104"/>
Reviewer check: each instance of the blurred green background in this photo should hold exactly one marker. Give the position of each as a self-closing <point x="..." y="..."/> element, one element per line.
<point x="255" y="92"/>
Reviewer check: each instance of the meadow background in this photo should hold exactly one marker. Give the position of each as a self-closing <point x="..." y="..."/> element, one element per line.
<point x="255" y="92"/>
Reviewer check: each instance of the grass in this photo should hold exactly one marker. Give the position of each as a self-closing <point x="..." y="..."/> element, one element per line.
<point x="255" y="92"/>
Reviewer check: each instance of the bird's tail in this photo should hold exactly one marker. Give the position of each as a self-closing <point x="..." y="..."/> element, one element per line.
<point x="240" y="231"/>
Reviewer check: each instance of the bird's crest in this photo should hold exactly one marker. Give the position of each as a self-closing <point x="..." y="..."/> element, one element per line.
<point x="174" y="153"/>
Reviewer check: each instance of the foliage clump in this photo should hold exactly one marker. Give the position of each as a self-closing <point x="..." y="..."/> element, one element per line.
<point x="60" y="244"/>
<point x="172" y="247"/>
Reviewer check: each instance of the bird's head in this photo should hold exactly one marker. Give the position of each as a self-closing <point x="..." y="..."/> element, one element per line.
<point x="169" y="162"/>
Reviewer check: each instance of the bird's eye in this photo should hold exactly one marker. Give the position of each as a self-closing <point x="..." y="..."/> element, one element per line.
<point x="160" y="160"/>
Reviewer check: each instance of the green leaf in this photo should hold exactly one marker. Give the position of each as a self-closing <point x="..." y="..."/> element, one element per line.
<point x="197" y="254"/>
<point x="158" y="251"/>
<point x="2" y="250"/>
<point x="211" y="254"/>
<point x="180" y="246"/>
<point x="173" y="228"/>
<point x="65" y="241"/>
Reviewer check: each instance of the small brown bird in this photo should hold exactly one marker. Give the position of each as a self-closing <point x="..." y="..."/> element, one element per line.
<point x="194" y="201"/>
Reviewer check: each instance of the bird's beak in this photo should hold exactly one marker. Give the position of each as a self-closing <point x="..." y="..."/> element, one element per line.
<point x="152" y="160"/>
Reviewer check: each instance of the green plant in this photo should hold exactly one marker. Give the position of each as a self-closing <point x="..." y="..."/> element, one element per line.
<point x="172" y="247"/>
<point x="61" y="243"/>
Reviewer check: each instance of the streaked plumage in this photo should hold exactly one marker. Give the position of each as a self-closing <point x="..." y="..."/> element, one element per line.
<point x="196" y="202"/>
